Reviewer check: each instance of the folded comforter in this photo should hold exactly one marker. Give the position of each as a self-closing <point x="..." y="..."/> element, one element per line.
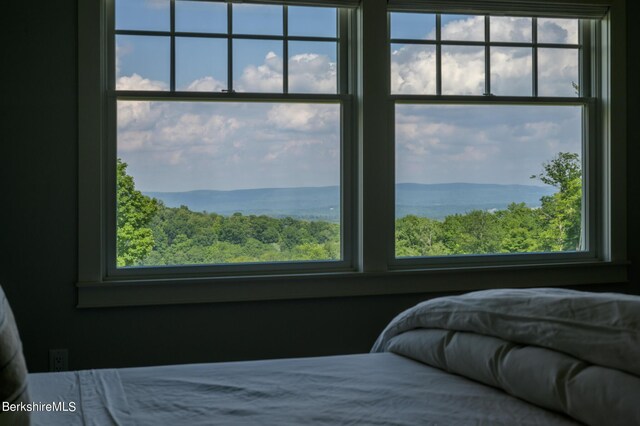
<point x="569" y="351"/>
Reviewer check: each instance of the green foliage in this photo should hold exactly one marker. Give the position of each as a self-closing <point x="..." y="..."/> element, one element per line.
<point x="473" y="233"/>
<point x="562" y="211"/>
<point x="134" y="212"/>
<point x="152" y="234"/>
<point x="419" y="236"/>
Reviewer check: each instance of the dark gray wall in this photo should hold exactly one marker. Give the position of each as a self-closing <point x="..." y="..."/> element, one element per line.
<point x="38" y="250"/>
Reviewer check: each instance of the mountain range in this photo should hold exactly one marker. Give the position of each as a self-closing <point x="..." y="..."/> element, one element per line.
<point x="323" y="203"/>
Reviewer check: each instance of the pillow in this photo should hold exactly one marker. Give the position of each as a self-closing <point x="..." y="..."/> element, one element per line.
<point x="13" y="370"/>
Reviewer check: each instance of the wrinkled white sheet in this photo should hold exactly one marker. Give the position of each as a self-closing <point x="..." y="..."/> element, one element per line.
<point x="367" y="389"/>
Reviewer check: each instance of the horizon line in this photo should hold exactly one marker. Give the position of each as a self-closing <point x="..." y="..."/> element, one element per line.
<point x="338" y="186"/>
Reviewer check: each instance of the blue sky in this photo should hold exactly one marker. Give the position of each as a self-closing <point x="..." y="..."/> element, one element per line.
<point x="200" y="145"/>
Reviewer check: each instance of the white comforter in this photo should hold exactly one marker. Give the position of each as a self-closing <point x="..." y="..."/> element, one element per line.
<point x="568" y="351"/>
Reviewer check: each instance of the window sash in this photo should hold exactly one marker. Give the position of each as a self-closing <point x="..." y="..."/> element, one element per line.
<point x="591" y="148"/>
<point x="343" y="97"/>
<point x="584" y="9"/>
<point x="583" y="47"/>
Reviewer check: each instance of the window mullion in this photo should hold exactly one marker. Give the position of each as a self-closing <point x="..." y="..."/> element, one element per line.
<point x="438" y="55"/>
<point x="172" y="54"/>
<point x="230" y="48"/>
<point x="534" y="57"/>
<point x="487" y="57"/>
<point x="285" y="49"/>
<point x="376" y="149"/>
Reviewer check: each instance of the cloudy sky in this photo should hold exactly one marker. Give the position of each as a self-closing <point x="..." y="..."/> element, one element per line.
<point x="180" y="146"/>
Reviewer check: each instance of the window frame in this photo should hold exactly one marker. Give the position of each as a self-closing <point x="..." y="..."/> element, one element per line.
<point x="372" y="270"/>
<point x="589" y="99"/>
<point x="342" y="97"/>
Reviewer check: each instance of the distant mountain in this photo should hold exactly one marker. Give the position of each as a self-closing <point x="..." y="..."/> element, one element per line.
<point x="323" y="203"/>
<point x="439" y="200"/>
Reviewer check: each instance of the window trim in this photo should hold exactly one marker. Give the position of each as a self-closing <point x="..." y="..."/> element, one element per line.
<point x="372" y="202"/>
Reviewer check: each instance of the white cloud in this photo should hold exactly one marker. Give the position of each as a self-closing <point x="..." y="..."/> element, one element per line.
<point x="471" y="28"/>
<point x="188" y="145"/>
<point x="508" y="28"/>
<point x="206" y="84"/>
<point x="511" y="71"/>
<point x="304" y="117"/>
<point x="557" y="30"/>
<point x="480" y="144"/>
<point x="413" y="67"/>
<point x="413" y="70"/>
<point x="312" y="73"/>
<point x="558" y="69"/>
<point x="262" y="78"/>
<point x="462" y="70"/>
<point x="134" y="140"/>
<point x="137" y="82"/>
<point x="190" y="128"/>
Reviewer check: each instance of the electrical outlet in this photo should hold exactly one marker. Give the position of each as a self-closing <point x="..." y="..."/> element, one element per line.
<point x="58" y="359"/>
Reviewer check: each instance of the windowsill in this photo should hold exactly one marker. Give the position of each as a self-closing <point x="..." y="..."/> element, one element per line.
<point x="141" y="292"/>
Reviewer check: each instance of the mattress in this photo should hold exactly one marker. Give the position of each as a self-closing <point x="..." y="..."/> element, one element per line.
<point x="365" y="389"/>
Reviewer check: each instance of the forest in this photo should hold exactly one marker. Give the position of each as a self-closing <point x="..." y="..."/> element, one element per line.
<point x="152" y="234"/>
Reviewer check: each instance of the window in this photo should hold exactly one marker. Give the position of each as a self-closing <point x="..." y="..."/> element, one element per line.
<point x="229" y="147"/>
<point x="248" y="151"/>
<point x="492" y="132"/>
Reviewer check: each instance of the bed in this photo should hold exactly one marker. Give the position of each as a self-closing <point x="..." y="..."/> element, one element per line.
<point x="511" y="357"/>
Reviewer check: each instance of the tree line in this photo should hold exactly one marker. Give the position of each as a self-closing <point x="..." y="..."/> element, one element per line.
<point x="152" y="234"/>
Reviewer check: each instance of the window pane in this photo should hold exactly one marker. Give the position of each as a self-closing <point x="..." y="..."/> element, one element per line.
<point x="558" y="72"/>
<point x="312" y="21"/>
<point x="257" y="19"/>
<point x="312" y="67"/>
<point x="201" y="64"/>
<point x="462" y="27"/>
<point x="420" y="26"/>
<point x="462" y="70"/>
<point x="235" y="183"/>
<point x="564" y="31"/>
<point x="201" y="17"/>
<point x="151" y="15"/>
<point x="257" y="66"/>
<point x="510" y="29"/>
<point x="488" y="179"/>
<point x="511" y="71"/>
<point x="142" y="63"/>
<point x="413" y="69"/>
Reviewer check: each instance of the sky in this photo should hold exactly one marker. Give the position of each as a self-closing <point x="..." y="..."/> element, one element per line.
<point x="182" y="146"/>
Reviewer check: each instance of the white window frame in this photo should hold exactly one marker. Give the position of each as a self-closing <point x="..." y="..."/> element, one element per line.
<point x="372" y="269"/>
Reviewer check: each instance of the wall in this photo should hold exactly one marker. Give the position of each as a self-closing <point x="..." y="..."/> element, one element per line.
<point x="38" y="237"/>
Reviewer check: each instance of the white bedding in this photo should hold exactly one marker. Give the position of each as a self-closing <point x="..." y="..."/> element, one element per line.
<point x="501" y="357"/>
<point x="570" y="351"/>
<point x="367" y="389"/>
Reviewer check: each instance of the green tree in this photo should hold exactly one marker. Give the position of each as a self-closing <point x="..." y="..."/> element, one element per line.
<point x="521" y="227"/>
<point x="419" y="236"/>
<point x="562" y="211"/>
<point x="476" y="232"/>
<point x="134" y="238"/>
